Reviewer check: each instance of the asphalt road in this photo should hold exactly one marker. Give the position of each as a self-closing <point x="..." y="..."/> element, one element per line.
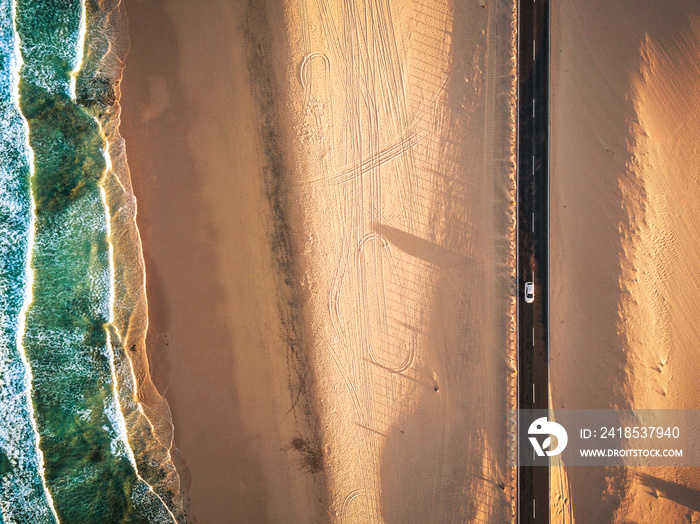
<point x="533" y="235"/>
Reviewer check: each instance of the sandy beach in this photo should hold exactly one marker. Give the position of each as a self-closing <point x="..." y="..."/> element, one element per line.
<point x="625" y="259"/>
<point x="406" y="182"/>
<point x="325" y="197"/>
<point x="217" y="342"/>
<point x="405" y="176"/>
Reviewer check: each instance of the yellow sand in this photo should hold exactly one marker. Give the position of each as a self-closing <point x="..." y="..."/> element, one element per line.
<point x="625" y="238"/>
<point x="403" y="117"/>
<point x="661" y="307"/>
<point x="326" y="201"/>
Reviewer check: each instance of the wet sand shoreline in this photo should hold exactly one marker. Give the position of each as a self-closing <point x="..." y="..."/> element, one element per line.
<point x="216" y="338"/>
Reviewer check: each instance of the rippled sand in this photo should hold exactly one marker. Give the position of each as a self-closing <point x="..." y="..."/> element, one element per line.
<point x="625" y="236"/>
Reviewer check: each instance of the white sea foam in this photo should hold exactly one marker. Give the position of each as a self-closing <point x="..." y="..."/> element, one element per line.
<point x="115" y="411"/>
<point x="76" y="370"/>
<point x="19" y="435"/>
<point x="80" y="49"/>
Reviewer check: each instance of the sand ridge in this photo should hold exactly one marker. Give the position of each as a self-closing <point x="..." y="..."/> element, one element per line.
<point x="660" y="303"/>
<point x="624" y="236"/>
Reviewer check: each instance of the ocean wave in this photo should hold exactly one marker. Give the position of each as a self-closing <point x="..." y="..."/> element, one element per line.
<point x="148" y="421"/>
<point x="64" y="446"/>
<point x="23" y="495"/>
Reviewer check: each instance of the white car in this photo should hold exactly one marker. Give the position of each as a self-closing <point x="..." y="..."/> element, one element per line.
<point x="529" y="292"/>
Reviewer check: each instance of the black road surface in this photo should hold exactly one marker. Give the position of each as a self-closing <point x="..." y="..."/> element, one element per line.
<point x="533" y="234"/>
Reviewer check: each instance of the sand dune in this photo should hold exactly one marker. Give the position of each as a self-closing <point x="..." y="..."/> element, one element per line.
<point x="661" y="305"/>
<point x="625" y="236"/>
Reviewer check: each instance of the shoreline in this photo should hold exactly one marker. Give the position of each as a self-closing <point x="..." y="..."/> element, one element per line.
<point x="147" y="421"/>
<point x="220" y="331"/>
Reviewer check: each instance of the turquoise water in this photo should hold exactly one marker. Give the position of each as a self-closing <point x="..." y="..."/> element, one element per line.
<point x="23" y="497"/>
<point x="64" y="454"/>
